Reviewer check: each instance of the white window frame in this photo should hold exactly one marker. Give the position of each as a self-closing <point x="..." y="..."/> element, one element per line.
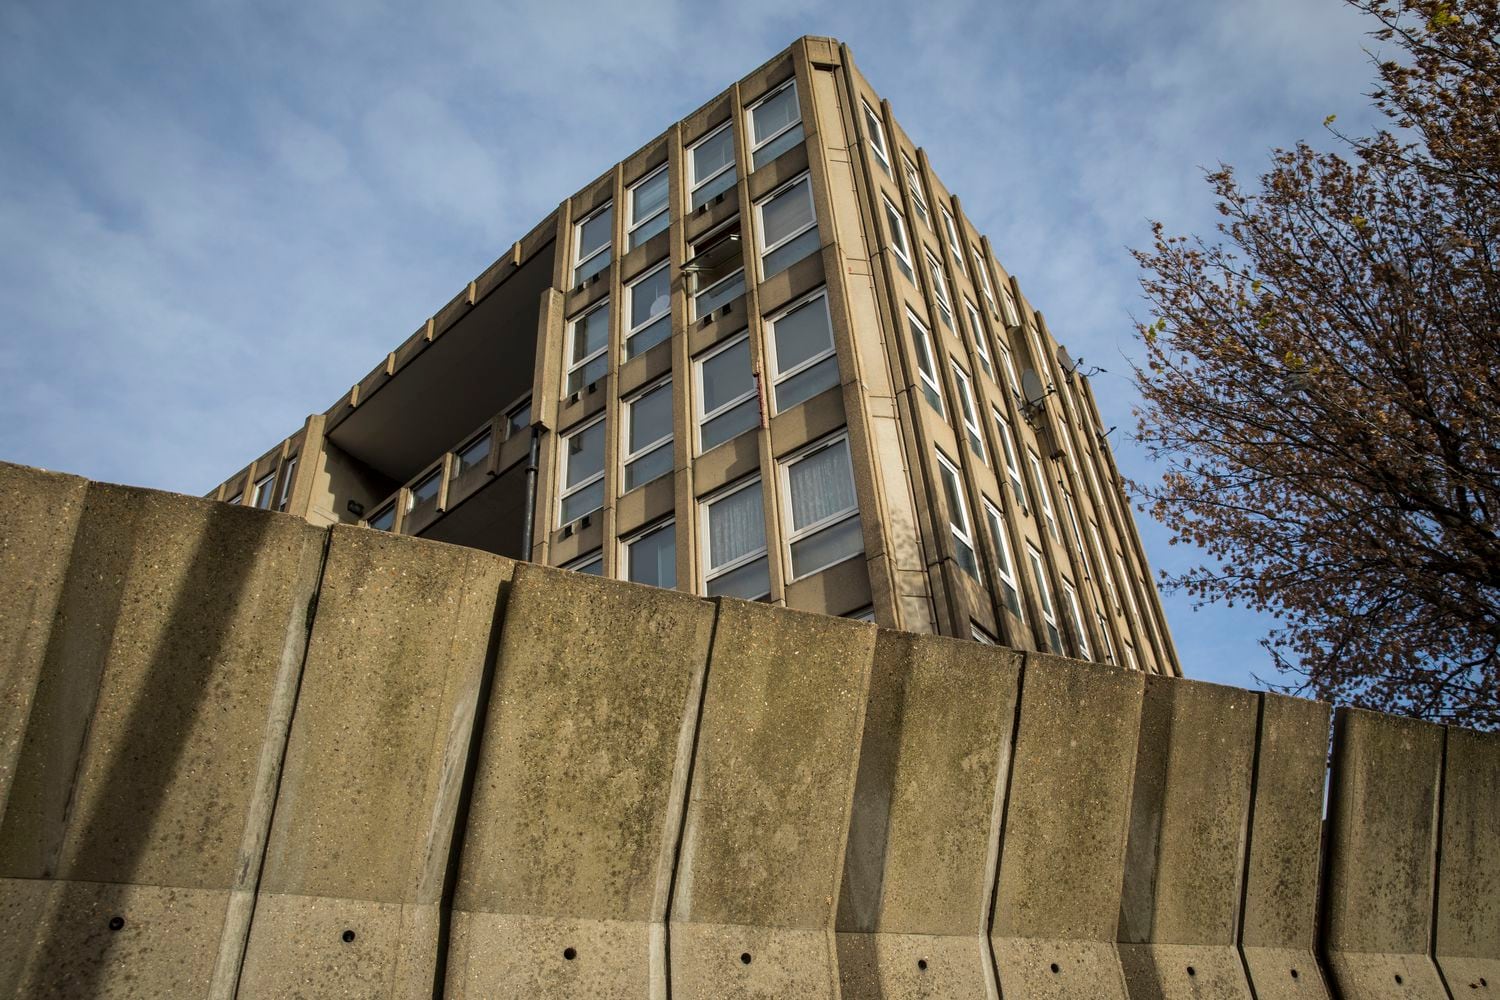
<point x="1049" y="612"/>
<point x="984" y="275"/>
<point x="981" y="348"/>
<point x="263" y="487"/>
<point x="964" y="531"/>
<point x="630" y="305"/>
<point x="864" y="614"/>
<point x="1130" y="661"/>
<point x="1083" y="553"/>
<point x="380" y="512"/>
<point x="1109" y="643"/>
<point x="576" y="565"/>
<point x="711" y="573"/>
<point x="1104" y="571"/>
<point x="707" y="241"/>
<point x="924" y="348"/>
<point x="570" y="339"/>
<point x="238" y="499"/>
<point x="954" y="243"/>
<point x="979" y="635"/>
<point x="665" y="209"/>
<point x="1002" y="543"/>
<point x="875" y="136"/>
<point x="918" y="198"/>
<point x="1008" y="304"/>
<point x="288" y="470"/>
<point x="762" y="250"/>
<point x="565" y="491"/>
<point x="967" y="410"/>
<point x="692" y="152"/>
<point x="703" y="418"/>
<point x="1075" y="615"/>
<point x="627" y="406"/>
<point x="940" y="289"/>
<point x="784" y="477"/>
<point x="638" y="535"/>
<point x="578" y="259"/>
<point x="900" y="244"/>
<point x="750" y="118"/>
<point x="1044" y="498"/>
<point x="1009" y="361"/>
<point x="436" y="475"/>
<point x="1008" y="447"/>
<point x="777" y="375"/>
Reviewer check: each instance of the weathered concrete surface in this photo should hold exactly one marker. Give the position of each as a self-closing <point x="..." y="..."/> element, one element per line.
<point x="375" y="766"/>
<point x="1467" y="940"/>
<point x="39" y="514"/>
<point x="1382" y="845"/>
<point x="1278" y="936"/>
<point x="148" y="765"/>
<point x="777" y="753"/>
<point x="1185" y="857"/>
<point x="580" y="789"/>
<point x="921" y="858"/>
<point x="1062" y="859"/>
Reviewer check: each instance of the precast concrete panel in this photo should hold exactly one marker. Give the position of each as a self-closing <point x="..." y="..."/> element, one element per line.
<point x="1467" y="942"/>
<point x="1062" y="852"/>
<point x="1278" y="933"/>
<point x="137" y="819"/>
<point x="1382" y="855"/>
<point x="360" y="845"/>
<point x="757" y="881"/>
<point x="920" y="864"/>
<point x="579" y="790"/>
<point x="1185" y="857"/>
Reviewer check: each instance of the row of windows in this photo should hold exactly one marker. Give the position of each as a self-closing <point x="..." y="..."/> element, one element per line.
<point x="823" y="528"/>
<point x="263" y="492"/>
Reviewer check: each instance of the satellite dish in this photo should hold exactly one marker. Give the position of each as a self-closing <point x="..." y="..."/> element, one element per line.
<point x="1069" y="365"/>
<point x="1031" y="388"/>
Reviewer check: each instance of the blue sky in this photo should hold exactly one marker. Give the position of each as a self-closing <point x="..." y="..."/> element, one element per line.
<point x="215" y="217"/>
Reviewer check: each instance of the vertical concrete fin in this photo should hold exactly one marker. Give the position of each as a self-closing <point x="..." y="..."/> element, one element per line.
<point x="579" y="791"/>
<point x="1382" y="853"/>
<point x="1467" y="930"/>
<point x="134" y="805"/>
<point x="778" y="750"/>
<point x="1278" y="923"/>
<point x="1185" y="858"/>
<point x="937" y="739"/>
<point x="1062" y="861"/>
<point x="360" y="839"/>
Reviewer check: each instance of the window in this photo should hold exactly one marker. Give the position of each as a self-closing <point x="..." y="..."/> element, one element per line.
<point x="472" y="455"/>
<point x="926" y="366"/>
<point x="582" y="471"/>
<point x="383" y="519"/>
<point x="1008" y="301"/>
<point x="263" y="491"/>
<point x="518" y="418"/>
<point x="1074" y="615"/>
<point x="1043" y="498"/>
<point x="953" y="244"/>
<point x="1010" y="590"/>
<point x="787" y="227"/>
<point x="899" y="245"/>
<point x="864" y="614"/>
<point x="984" y="274"/>
<point x="287" y="474"/>
<point x="1009" y="364"/>
<point x="958" y="517"/>
<point x="426" y="489"/>
<point x="1012" y="467"/>
<point x="1135" y="610"/>
<point x="1109" y="644"/>
<point x="876" y="134"/>
<point x="980" y="635"/>
<point x="591" y="564"/>
<point x="711" y="162"/>
<point x="966" y="408"/>
<point x="237" y="499"/>
<point x="734" y="543"/>
<point x="800" y="343"/>
<point x="716" y="273"/>
<point x="649" y="301"/>
<point x="648" y="434"/>
<point x="1130" y="660"/>
<point x="647" y="201"/>
<point x="1104" y="570"/>
<point x="918" y="199"/>
<point x="588" y="337"/>
<point x="775" y="124"/>
<point x="1083" y="554"/>
<point x="1054" y="638"/>
<point x="728" y="404"/>
<point x="818" y="489"/>
<point x="940" y="290"/>
<point x="976" y="330"/>
<point x="591" y="239"/>
<point x="651" y="556"/>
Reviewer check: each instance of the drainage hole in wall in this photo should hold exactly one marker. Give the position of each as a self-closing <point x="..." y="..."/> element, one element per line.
<point x="1294" y="973"/>
<point x="1398" y="979"/>
<point x="115" y="923"/>
<point x="348" y="936"/>
<point x="744" y="958"/>
<point x="1192" y="971"/>
<point x="922" y="964"/>
<point x="570" y="953"/>
<point x="1055" y="968"/>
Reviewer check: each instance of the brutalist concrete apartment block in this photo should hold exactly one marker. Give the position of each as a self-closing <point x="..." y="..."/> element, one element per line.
<point x="767" y="356"/>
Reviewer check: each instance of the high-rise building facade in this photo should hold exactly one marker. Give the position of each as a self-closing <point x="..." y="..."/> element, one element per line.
<point x="768" y="356"/>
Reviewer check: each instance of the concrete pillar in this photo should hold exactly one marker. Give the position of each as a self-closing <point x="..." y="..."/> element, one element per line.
<point x="1467" y="934"/>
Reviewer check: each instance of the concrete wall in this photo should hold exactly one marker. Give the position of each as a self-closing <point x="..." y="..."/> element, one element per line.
<point x="247" y="757"/>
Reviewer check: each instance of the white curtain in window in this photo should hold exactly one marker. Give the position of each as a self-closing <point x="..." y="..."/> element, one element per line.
<point x="736" y="526"/>
<point x="822" y="485"/>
